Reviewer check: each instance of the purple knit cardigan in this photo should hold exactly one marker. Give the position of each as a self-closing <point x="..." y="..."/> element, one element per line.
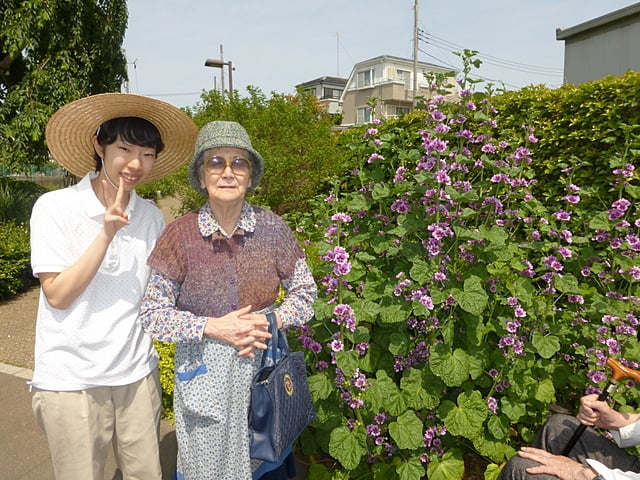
<point x="218" y="275"/>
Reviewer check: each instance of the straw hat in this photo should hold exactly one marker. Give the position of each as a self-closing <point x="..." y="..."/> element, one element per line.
<point x="218" y="134"/>
<point x="71" y="129"/>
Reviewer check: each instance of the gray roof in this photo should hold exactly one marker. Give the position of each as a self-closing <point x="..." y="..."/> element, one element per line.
<point x="615" y="16"/>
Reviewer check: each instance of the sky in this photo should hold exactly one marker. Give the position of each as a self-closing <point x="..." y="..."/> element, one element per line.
<point x="274" y="45"/>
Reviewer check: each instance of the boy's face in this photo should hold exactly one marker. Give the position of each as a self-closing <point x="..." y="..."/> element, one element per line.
<point x="132" y="163"/>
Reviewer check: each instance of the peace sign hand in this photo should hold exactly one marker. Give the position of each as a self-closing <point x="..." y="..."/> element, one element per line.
<point x="115" y="218"/>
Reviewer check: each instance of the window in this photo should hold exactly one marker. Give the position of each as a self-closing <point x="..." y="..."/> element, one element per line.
<point x="363" y="115"/>
<point x="365" y="78"/>
<point x="403" y="74"/>
<point x="331" y="93"/>
<point x="402" y="111"/>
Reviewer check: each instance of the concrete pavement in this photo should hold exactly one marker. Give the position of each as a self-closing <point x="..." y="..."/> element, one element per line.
<point x="24" y="453"/>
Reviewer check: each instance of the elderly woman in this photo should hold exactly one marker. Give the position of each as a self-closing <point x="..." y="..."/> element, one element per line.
<point x="216" y="272"/>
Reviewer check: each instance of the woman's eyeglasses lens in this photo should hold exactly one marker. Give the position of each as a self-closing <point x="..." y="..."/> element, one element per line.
<point x="239" y="165"/>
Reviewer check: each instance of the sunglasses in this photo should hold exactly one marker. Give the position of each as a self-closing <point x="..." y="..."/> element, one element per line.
<point x="216" y="165"/>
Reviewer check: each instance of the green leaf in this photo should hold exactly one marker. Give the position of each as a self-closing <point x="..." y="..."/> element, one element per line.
<point x="495" y="450"/>
<point x="365" y="310"/>
<point x="420" y="271"/>
<point x="320" y="386"/>
<point x="473" y="298"/>
<point x="600" y="222"/>
<point x="466" y="418"/>
<point x="567" y="283"/>
<point x="406" y="431"/>
<point x="545" y="391"/>
<point x="380" y="192"/>
<point x="633" y="191"/>
<point x="347" y="361"/>
<point x="384" y="395"/>
<point x="412" y="469"/>
<point x="492" y="472"/>
<point x="361" y="335"/>
<point x="318" y="471"/>
<point x="498" y="426"/>
<point x="546" y="345"/>
<point x="348" y="446"/>
<point x="495" y="235"/>
<point x="357" y="203"/>
<point x="448" y="467"/>
<point x="514" y="410"/>
<point x="421" y="389"/>
<point x="452" y="368"/>
<point x="399" y="343"/>
<point x="393" y="314"/>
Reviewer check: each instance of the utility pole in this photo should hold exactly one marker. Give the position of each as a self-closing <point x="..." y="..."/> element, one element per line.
<point x="337" y="54"/>
<point x="221" y="69"/>
<point x="415" y="53"/>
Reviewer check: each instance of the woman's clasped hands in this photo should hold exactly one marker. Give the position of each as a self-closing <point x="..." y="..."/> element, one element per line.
<point x="242" y="329"/>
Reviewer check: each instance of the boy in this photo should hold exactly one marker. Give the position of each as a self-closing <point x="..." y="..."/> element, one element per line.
<point x="96" y="378"/>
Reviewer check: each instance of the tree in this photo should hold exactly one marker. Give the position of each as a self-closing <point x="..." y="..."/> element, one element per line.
<point x="294" y="135"/>
<point x="53" y="52"/>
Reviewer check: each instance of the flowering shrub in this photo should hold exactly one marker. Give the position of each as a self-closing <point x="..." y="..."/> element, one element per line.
<point x="454" y="305"/>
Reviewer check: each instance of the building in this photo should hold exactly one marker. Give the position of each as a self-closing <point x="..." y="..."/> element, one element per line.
<point x="327" y="90"/>
<point x="388" y="80"/>
<point x="606" y="45"/>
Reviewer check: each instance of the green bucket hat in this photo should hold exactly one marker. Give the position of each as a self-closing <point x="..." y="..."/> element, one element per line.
<point x="224" y="134"/>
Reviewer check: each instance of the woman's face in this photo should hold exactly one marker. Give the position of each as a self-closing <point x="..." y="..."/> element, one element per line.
<point x="226" y="174"/>
<point x="132" y="163"/>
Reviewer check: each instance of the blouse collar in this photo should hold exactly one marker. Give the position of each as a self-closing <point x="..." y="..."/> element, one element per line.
<point x="209" y="226"/>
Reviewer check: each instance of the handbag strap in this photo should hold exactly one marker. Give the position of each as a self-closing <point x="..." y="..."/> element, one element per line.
<point x="277" y="346"/>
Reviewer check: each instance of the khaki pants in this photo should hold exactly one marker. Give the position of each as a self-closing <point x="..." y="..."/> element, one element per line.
<point x="80" y="426"/>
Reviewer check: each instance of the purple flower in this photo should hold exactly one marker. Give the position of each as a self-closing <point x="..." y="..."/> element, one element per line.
<point x="562" y="216"/>
<point x="572" y="199"/>
<point x="401" y="206"/>
<point x="399" y="174"/>
<point x="623" y="204"/>
<point x="380" y="418"/>
<point x="373" y="430"/>
<point x="488" y="148"/>
<point x="341" y="217"/>
<point x="438" y="116"/>
<point x="564" y="252"/>
<point x="492" y="403"/>
<point x="373" y="157"/>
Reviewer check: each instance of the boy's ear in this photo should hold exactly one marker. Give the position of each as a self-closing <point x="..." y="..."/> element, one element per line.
<point x="97" y="147"/>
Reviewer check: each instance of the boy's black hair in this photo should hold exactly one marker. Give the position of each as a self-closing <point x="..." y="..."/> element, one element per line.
<point x="133" y="130"/>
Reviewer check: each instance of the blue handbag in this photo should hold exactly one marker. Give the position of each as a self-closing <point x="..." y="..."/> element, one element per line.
<point x="281" y="406"/>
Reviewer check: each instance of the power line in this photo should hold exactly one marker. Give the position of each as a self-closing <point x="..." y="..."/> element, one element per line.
<point x="490" y="59"/>
<point x="474" y="76"/>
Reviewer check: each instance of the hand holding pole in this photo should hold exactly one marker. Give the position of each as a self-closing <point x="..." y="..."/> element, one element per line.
<point x="618" y="372"/>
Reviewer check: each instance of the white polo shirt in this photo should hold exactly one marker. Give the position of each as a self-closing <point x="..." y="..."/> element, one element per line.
<point x="98" y="340"/>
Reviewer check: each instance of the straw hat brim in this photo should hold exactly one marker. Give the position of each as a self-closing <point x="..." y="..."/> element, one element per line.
<point x="70" y="131"/>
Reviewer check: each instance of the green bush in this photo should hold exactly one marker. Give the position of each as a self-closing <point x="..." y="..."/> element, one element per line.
<point x="579" y="129"/>
<point x="15" y="270"/>
<point x="17" y="198"/>
<point x="455" y="304"/>
<point x="166" y="351"/>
